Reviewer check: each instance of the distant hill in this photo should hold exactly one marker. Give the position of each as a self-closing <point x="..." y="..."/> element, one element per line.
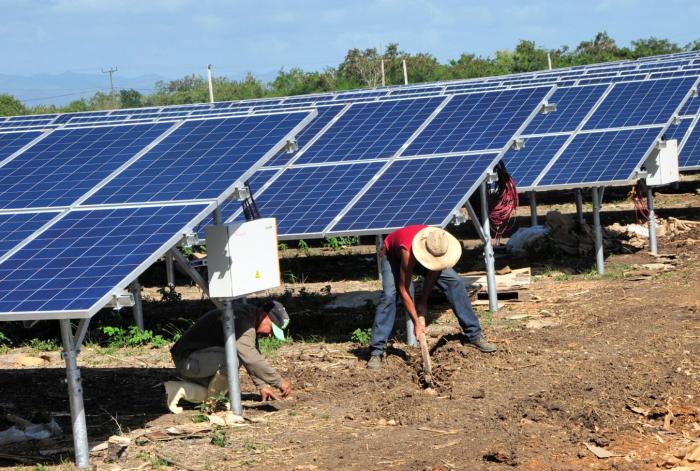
<point x="60" y="89"/>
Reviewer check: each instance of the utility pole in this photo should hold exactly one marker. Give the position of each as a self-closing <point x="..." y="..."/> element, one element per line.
<point x="383" y="77"/>
<point x="405" y="73"/>
<point x="549" y="61"/>
<point x="211" y="85"/>
<point x="110" y="71"/>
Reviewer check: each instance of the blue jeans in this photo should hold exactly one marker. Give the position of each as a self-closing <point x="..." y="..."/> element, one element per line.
<point x="448" y="281"/>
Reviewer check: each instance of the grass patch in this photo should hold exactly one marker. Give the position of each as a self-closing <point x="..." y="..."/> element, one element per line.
<point x="269" y="345"/>
<point x="43" y="345"/>
<point x="361" y="336"/>
<point x="131" y="337"/>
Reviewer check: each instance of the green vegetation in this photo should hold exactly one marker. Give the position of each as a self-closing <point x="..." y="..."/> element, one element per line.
<point x="303" y="246"/>
<point x="169" y="295"/>
<point x="219" y="437"/>
<point x="361" y="68"/>
<point x="339" y="243"/>
<point x="43" y="345"/>
<point x="361" y="336"/>
<point x="132" y="337"/>
<point x="269" y="345"/>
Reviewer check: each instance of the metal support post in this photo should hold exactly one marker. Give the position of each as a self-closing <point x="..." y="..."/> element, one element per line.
<point x="533" y="208"/>
<point x="652" y="221"/>
<point x="234" y="383"/>
<point x="169" y="269"/>
<point x="379" y="243"/>
<point x="598" y="231"/>
<point x="579" y="206"/>
<point x="137" y="308"/>
<point x="217" y="217"/>
<point x="194" y="274"/>
<point x="489" y="258"/>
<point x="75" y="395"/>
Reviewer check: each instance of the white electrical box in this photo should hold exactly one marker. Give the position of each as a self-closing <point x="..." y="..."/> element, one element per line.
<point x="662" y="164"/>
<point x="242" y="258"/>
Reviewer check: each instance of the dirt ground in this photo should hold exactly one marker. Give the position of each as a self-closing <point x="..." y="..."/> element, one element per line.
<point x="608" y="361"/>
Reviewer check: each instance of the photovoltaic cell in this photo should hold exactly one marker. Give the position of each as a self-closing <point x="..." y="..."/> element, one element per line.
<point x="83" y="257"/>
<point x="17" y="227"/>
<point x="678" y="131"/>
<point x="477" y="121"/>
<point x="63" y="166"/>
<point x="573" y="103"/>
<point x="601" y="157"/>
<point x="294" y="197"/>
<point x="11" y="142"/>
<point x="526" y="164"/>
<point x="640" y="103"/>
<point x="415" y="191"/>
<point x="199" y="160"/>
<point x="689" y="157"/>
<point x="691" y="107"/>
<point x="370" y="130"/>
<point x="324" y="116"/>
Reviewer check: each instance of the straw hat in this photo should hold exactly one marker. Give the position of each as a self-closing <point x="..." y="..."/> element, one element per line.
<point x="436" y="249"/>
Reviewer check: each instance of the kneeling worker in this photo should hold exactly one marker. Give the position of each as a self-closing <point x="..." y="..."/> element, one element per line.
<point x="430" y="252"/>
<point x="200" y="358"/>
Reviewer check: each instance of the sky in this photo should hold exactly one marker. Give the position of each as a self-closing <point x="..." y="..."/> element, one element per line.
<point x="171" y="38"/>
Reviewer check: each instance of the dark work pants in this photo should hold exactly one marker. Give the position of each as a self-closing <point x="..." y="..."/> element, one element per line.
<point x="448" y="281"/>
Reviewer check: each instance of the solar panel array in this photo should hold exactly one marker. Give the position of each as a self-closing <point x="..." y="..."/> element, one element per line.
<point x="89" y="200"/>
<point x="87" y="210"/>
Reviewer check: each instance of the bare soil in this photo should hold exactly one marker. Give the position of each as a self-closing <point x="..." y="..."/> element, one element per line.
<point x="610" y="361"/>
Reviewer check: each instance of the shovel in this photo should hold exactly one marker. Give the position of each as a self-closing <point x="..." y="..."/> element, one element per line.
<point x="425" y="353"/>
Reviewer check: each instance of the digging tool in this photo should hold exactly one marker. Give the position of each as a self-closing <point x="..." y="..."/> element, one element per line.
<point x="425" y="353"/>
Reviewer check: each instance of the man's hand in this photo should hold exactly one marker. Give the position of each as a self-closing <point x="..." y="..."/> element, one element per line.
<point x="285" y="387"/>
<point x="419" y="327"/>
<point x="269" y="394"/>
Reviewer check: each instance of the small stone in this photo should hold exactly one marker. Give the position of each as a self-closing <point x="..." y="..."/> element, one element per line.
<point x="479" y="394"/>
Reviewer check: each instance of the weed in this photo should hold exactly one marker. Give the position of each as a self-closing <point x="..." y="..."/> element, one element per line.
<point x="303" y="247"/>
<point x="251" y="445"/>
<point x="219" y="437"/>
<point x="361" y="336"/>
<point x="199" y="418"/>
<point x="289" y="277"/>
<point x="338" y="243"/>
<point x="168" y="295"/>
<point x="282" y="247"/>
<point x="187" y="251"/>
<point x="268" y="345"/>
<point x="4" y="343"/>
<point x="486" y="317"/>
<point x="213" y="404"/>
<point x="133" y="337"/>
<point x="592" y="274"/>
<point x="44" y="345"/>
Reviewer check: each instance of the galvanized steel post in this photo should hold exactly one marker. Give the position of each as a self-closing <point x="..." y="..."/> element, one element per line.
<point x="137" y="308"/>
<point x="488" y="250"/>
<point x="234" y="382"/>
<point x="533" y="208"/>
<point x="598" y="230"/>
<point x="579" y="206"/>
<point x="75" y="395"/>
<point x="652" y="221"/>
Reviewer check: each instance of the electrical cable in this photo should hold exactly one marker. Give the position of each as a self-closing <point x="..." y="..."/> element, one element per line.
<point x="637" y="195"/>
<point x="504" y="204"/>
<point x="250" y="207"/>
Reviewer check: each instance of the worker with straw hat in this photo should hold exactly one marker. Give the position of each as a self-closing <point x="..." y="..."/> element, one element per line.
<point x="430" y="252"/>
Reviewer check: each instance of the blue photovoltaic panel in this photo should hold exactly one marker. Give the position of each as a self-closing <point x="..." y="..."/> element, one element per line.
<point x="370" y="130"/>
<point x="691" y="107"/>
<point x="526" y="164"/>
<point x="573" y="103"/>
<point x="63" y="166"/>
<point x="86" y="255"/>
<point x="17" y="227"/>
<point x="350" y="96"/>
<point x="411" y="91"/>
<point x="678" y="131"/>
<point x="600" y="157"/>
<point x="11" y="142"/>
<point x="478" y="121"/>
<point x="324" y="116"/>
<point x="25" y="124"/>
<point x="199" y="160"/>
<point x="33" y="117"/>
<point x="415" y="191"/>
<point x="293" y="199"/>
<point x="640" y="103"/>
<point x="690" y="153"/>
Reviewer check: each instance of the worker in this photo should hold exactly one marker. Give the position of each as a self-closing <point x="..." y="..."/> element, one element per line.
<point x="200" y="358"/>
<point x="430" y="252"/>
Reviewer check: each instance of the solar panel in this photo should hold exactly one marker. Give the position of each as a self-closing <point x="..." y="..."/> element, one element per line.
<point x="324" y="116"/>
<point x="689" y="158"/>
<point x="63" y="166"/>
<point x="640" y="103"/>
<point x="18" y="226"/>
<point x="71" y="269"/>
<point x="678" y="131"/>
<point x="200" y="159"/>
<point x="294" y="197"/>
<point x="525" y="164"/>
<point x="415" y="191"/>
<point x="691" y="107"/>
<point x="11" y="142"/>
<point x="601" y="157"/>
<point x="477" y="121"/>
<point x="573" y="104"/>
<point x="370" y="130"/>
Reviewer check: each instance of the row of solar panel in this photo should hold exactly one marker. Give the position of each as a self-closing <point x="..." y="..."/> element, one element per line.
<point x="603" y="75"/>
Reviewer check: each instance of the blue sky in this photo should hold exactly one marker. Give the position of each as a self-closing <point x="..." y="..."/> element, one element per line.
<point x="171" y="38"/>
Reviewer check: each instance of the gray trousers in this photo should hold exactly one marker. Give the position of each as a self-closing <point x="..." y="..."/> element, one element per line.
<point x="201" y="365"/>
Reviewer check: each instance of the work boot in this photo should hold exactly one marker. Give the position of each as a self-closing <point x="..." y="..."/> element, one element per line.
<point x="375" y="362"/>
<point x="482" y="345"/>
<point x="190" y="392"/>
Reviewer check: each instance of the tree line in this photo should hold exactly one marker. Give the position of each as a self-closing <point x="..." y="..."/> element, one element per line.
<point x="362" y="69"/>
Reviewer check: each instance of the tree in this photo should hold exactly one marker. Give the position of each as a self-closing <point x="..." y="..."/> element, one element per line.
<point x="653" y="47"/>
<point x="693" y="46"/>
<point x="11" y="106"/>
<point x="362" y="68"/>
<point x="602" y="49"/>
<point x="529" y="58"/>
<point x="130" y="98"/>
